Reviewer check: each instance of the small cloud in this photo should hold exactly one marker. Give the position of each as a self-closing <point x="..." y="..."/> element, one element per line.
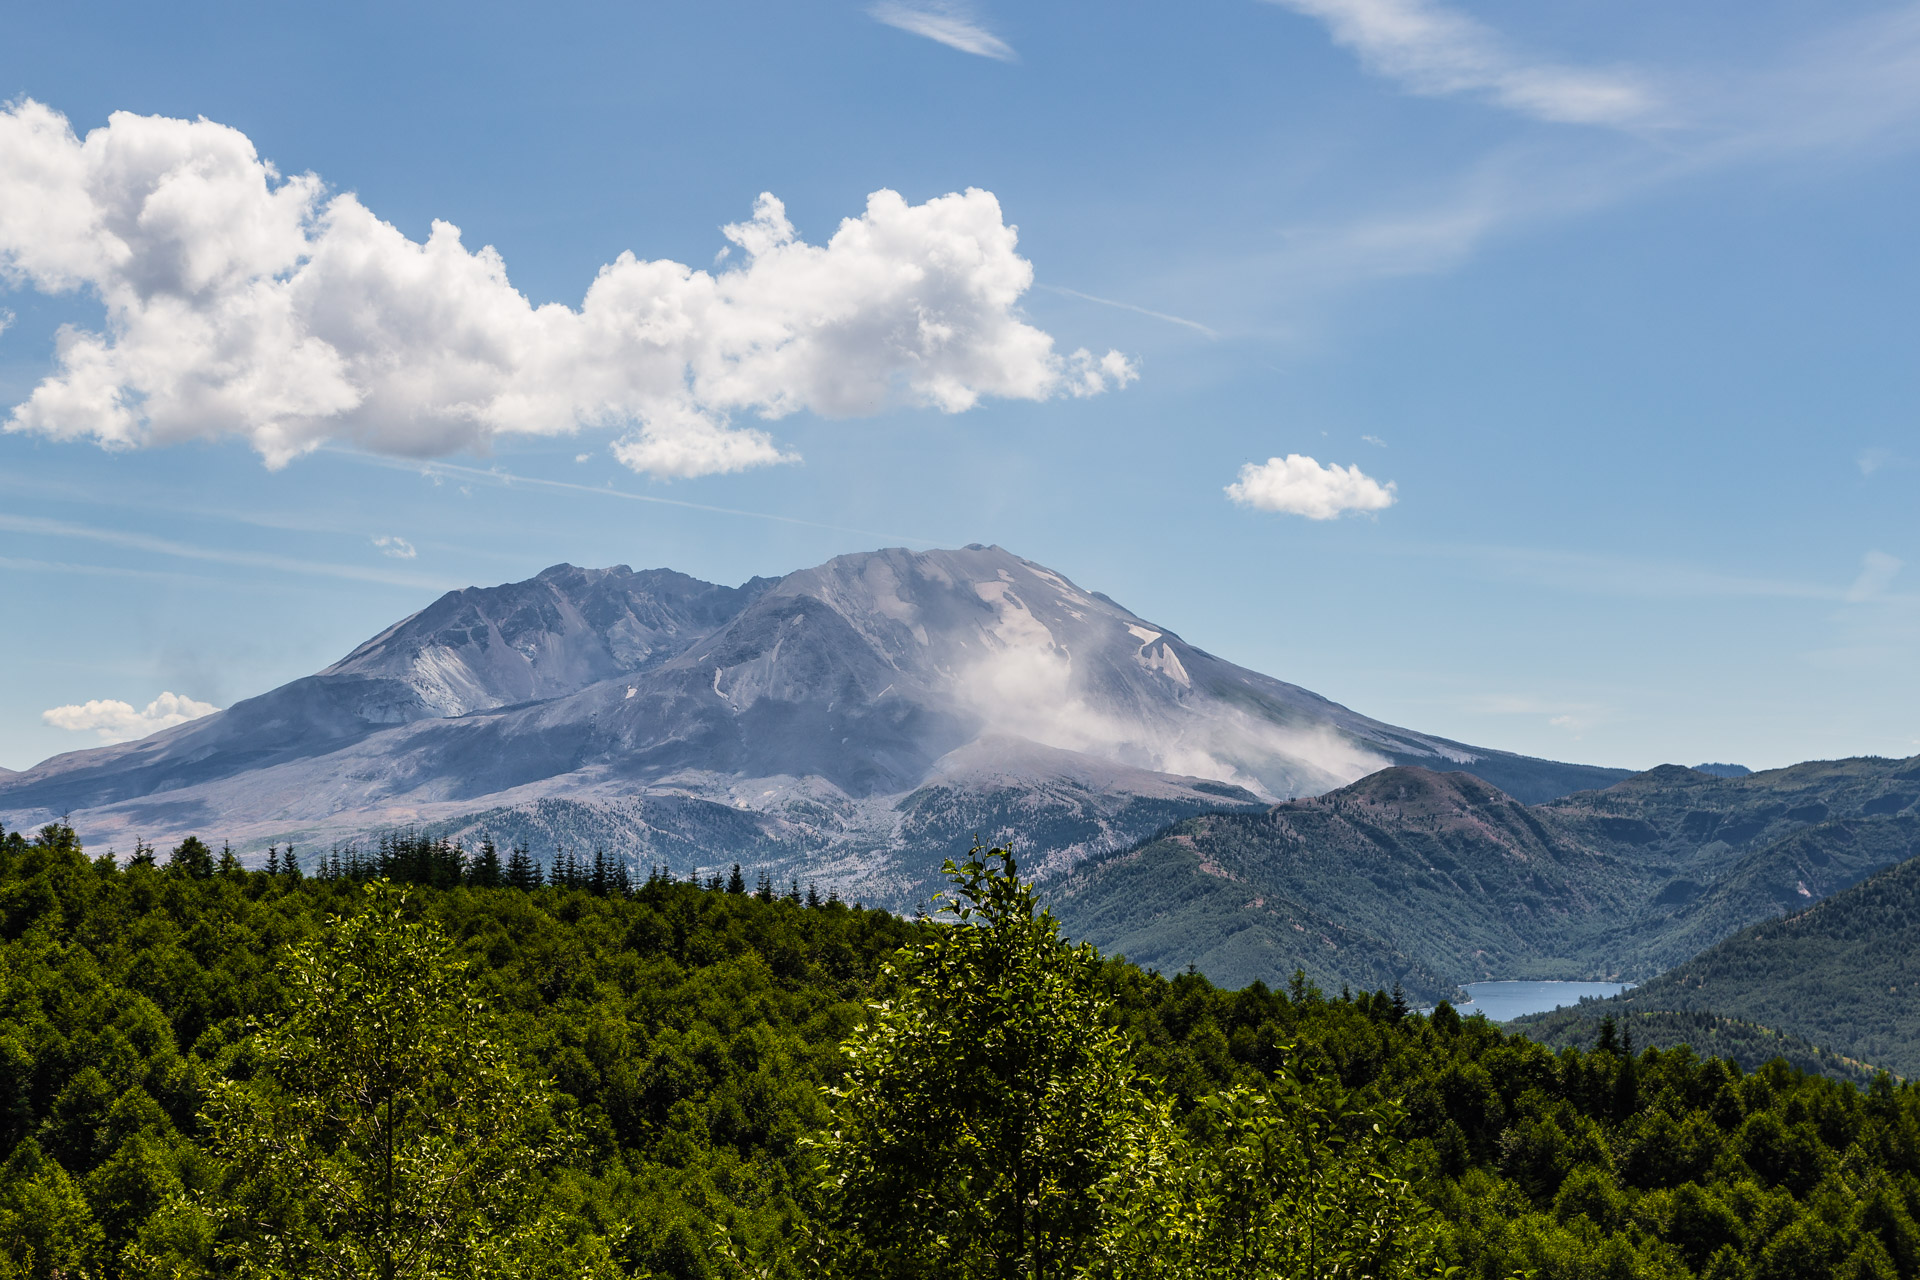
<point x="398" y="548"/>
<point x="116" y="721"/>
<point x="1573" y="717"/>
<point x="1375" y="441"/>
<point x="581" y="457"/>
<point x="1297" y="485"/>
<point x="951" y="24"/>
<point x="6" y="319"/>
<point x="1877" y="570"/>
<point x="1872" y="460"/>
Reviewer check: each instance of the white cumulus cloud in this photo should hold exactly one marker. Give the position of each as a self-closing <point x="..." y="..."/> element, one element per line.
<point x="397" y="547"/>
<point x="242" y="303"/>
<point x="117" y="721"/>
<point x="1299" y="486"/>
<point x="1433" y="50"/>
<point x="952" y="25"/>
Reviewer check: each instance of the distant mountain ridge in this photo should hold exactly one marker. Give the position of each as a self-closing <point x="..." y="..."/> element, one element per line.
<point x="1723" y="770"/>
<point x="1844" y="972"/>
<point x="1462" y="882"/>
<point x="857" y="720"/>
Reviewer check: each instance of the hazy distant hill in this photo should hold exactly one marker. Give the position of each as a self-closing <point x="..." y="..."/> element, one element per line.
<point x="1445" y="875"/>
<point x="1723" y="770"/>
<point x="1843" y="973"/>
<point x="856" y="721"/>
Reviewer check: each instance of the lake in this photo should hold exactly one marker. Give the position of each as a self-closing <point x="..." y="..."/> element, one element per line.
<point x="1503" y="1000"/>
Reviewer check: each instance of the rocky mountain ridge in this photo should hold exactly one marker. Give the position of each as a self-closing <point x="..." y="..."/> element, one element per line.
<point x="1464" y="882"/>
<point x="857" y="720"/>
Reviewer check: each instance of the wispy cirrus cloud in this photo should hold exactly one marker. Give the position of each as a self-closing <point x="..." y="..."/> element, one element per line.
<point x="1433" y="50"/>
<point x="1877" y="572"/>
<point x="1852" y="88"/>
<point x="953" y="25"/>
<point x="1182" y="321"/>
<point x="499" y="477"/>
<point x="1601" y="573"/>
<point x="42" y="526"/>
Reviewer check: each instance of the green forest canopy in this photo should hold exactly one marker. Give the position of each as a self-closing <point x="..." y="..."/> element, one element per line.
<point x="685" y="1033"/>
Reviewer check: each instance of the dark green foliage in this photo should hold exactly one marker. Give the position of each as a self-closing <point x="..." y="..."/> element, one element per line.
<point x="192" y="858"/>
<point x="687" y="1033"/>
<point x="988" y="1108"/>
<point x="1708" y="1034"/>
<point x="384" y="1127"/>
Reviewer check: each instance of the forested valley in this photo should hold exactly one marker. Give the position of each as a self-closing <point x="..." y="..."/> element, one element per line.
<point x="598" y="1076"/>
<point x="1841" y="972"/>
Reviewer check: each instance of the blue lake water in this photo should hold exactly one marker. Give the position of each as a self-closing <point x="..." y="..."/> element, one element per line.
<point x="1503" y="1000"/>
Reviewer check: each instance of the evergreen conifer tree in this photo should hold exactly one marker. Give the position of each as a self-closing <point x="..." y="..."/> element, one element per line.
<point x="191" y="857"/>
<point x="484" y="871"/>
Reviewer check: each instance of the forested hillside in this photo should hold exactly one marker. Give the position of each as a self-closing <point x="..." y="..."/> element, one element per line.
<point x="1844" y="973"/>
<point x="1438" y="879"/>
<point x="1708" y="1034"/>
<point x="685" y="1031"/>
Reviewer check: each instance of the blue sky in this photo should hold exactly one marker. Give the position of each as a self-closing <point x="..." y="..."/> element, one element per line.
<point x="1597" y="324"/>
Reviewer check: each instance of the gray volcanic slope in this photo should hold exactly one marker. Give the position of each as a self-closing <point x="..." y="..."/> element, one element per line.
<point x="853" y="722"/>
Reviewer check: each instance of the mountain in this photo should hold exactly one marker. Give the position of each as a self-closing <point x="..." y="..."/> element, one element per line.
<point x="1844" y="973"/>
<point x="1437" y="879"/>
<point x="853" y="722"/>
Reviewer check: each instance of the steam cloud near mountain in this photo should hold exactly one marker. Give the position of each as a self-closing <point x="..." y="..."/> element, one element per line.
<point x="1024" y="687"/>
<point x="242" y="303"/>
